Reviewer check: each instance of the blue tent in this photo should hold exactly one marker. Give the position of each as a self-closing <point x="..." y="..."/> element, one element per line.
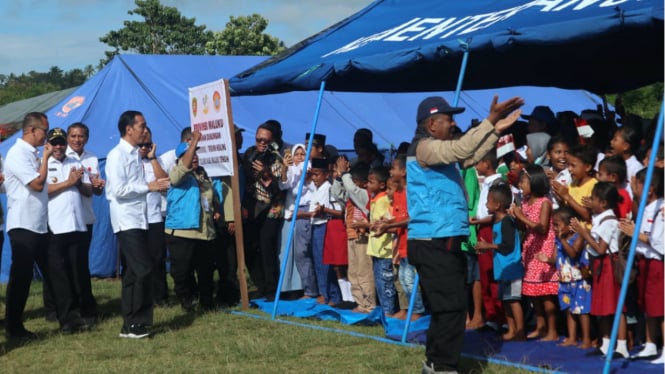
<point x="404" y="45"/>
<point x="157" y="86"/>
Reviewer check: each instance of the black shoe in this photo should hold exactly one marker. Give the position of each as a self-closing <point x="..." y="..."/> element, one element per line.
<point x="135" y="331"/>
<point x="74" y="326"/>
<point x="21" y="334"/>
<point x="51" y="317"/>
<point x="188" y="305"/>
<point x="595" y="352"/>
<point x="270" y="297"/>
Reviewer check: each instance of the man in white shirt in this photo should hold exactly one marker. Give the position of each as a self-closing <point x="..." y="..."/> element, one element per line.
<point x="27" y="204"/>
<point x="66" y="184"/>
<point x="126" y="191"/>
<point x="77" y="137"/>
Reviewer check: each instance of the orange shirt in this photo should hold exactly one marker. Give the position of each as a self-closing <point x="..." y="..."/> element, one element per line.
<point x="400" y="213"/>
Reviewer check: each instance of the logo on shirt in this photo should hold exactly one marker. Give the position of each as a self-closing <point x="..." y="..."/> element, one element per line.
<point x="54" y="180"/>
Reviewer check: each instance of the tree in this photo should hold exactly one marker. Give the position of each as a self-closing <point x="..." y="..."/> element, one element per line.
<point x="245" y="35"/>
<point x="163" y="31"/>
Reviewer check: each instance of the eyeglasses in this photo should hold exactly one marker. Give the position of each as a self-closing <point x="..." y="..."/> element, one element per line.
<point x="263" y="140"/>
<point x="145" y="145"/>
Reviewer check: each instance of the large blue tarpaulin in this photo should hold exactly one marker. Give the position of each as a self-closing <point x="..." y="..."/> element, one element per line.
<point x="404" y="45"/>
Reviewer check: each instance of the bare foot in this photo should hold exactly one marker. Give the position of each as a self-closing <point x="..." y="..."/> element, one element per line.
<point x="400" y="315"/>
<point x="549" y="338"/>
<point x="360" y="310"/>
<point x="415" y="316"/>
<point x="512" y="337"/>
<point x="321" y="300"/>
<point x="535" y="334"/>
<point x="585" y="345"/>
<point x="475" y="325"/>
<point x="567" y="343"/>
<point x="306" y="297"/>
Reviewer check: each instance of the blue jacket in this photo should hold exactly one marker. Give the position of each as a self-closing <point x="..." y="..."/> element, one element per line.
<point x="436" y="201"/>
<point x="508" y="258"/>
<point x="183" y="205"/>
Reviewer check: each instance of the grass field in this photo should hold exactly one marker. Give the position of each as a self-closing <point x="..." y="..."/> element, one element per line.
<point x="218" y="342"/>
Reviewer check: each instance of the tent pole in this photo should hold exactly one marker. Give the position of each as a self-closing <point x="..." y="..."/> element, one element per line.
<point x="462" y="71"/>
<point x="409" y="313"/>
<point x="289" y="240"/>
<point x="633" y="241"/>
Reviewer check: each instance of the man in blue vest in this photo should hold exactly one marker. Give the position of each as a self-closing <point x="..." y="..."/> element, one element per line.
<point x="439" y="221"/>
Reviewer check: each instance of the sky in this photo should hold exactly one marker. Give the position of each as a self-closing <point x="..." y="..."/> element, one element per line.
<point x="38" y="34"/>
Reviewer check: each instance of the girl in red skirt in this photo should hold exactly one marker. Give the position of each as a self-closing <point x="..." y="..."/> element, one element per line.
<point x="602" y="242"/>
<point x="649" y="259"/>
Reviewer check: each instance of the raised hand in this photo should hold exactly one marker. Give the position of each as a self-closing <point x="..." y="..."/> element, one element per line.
<point x="501" y="110"/>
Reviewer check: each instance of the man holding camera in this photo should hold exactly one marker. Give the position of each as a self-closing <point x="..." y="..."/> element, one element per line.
<point x="262" y="210"/>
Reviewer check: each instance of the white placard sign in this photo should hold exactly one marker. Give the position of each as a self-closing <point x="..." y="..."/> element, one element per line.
<point x="209" y="115"/>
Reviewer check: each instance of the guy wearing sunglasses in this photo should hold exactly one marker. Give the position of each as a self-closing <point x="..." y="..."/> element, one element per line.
<point x="27" y="204"/>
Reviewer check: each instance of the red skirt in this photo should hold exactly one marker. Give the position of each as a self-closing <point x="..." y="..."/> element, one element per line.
<point x="651" y="301"/>
<point x="604" y="291"/>
<point x="335" y="243"/>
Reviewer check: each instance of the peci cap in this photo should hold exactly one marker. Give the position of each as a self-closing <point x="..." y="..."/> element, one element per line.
<point x="542" y="113"/>
<point x="319" y="163"/>
<point x="56" y="133"/>
<point x="319" y="139"/>
<point x="434" y="105"/>
<point x="181" y="149"/>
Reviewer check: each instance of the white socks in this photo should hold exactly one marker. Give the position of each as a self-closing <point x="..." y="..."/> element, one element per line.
<point x="622" y="348"/>
<point x="605" y="345"/>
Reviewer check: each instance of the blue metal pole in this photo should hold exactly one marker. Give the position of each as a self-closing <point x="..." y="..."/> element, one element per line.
<point x="633" y="241"/>
<point x="460" y="77"/>
<point x="289" y="240"/>
<point x="409" y="313"/>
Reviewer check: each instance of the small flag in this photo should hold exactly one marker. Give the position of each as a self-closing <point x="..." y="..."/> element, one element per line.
<point x="505" y="145"/>
<point x="583" y="128"/>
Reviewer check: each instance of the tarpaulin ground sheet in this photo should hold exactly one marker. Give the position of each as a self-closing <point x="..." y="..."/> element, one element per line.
<point x="479" y="345"/>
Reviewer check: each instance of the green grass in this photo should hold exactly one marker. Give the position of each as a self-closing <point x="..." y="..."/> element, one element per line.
<point x="210" y="343"/>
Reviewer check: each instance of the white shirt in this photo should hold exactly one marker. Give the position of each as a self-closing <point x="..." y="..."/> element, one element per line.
<point x="168" y="161"/>
<point x="320" y="196"/>
<point x="607" y="230"/>
<point x="154" y="199"/>
<point x="632" y="167"/>
<point x="293" y="174"/>
<point x="126" y="188"/>
<point x="2" y="190"/>
<point x="481" y="210"/>
<point x="650" y="216"/>
<point x="91" y="165"/>
<point x="65" y="209"/>
<point x="657" y="235"/>
<point x="26" y="208"/>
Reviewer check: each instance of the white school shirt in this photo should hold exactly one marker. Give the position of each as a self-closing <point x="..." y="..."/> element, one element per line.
<point x="293" y="174"/>
<point x="126" y="188"/>
<point x="320" y="196"/>
<point x="650" y="216"/>
<point x="65" y="209"/>
<point x="26" y="208"/>
<point x="91" y="165"/>
<point x="481" y="210"/>
<point x="657" y="235"/>
<point x="607" y="230"/>
<point x="632" y="167"/>
<point x="153" y="199"/>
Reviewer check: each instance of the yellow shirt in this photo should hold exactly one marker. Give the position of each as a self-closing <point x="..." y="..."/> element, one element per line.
<point x="382" y="246"/>
<point x="578" y="192"/>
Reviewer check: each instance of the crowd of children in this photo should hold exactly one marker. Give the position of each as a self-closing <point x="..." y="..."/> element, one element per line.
<point x="550" y="232"/>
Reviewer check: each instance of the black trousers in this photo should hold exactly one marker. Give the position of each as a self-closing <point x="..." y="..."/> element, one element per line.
<point x="157" y="247"/>
<point x="262" y="252"/>
<point x="188" y="255"/>
<point x="63" y="274"/>
<point x="441" y="266"/>
<point x="87" y="299"/>
<point x="226" y="264"/>
<point x="28" y="247"/>
<point x="137" y="297"/>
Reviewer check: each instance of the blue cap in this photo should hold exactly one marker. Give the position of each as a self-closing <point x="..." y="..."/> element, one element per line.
<point x="181" y="149"/>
